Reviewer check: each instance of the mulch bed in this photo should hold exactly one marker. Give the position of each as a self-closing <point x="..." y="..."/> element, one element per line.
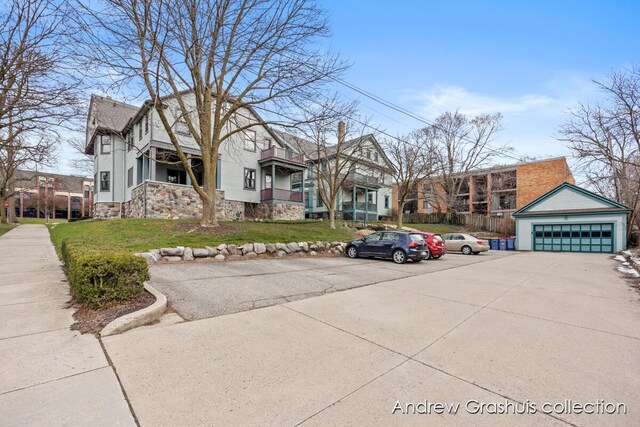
<point x="220" y="229"/>
<point x="90" y="320"/>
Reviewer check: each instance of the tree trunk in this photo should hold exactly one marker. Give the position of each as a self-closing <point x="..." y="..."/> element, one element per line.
<point x="400" y="214"/>
<point x="3" y="211"/>
<point x="210" y="202"/>
<point x="332" y="218"/>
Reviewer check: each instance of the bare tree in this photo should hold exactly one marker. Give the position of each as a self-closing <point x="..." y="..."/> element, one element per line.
<point x="463" y="144"/>
<point x="605" y="138"/>
<point x="217" y="60"/>
<point x="333" y="156"/>
<point x="38" y="91"/>
<point x="413" y="159"/>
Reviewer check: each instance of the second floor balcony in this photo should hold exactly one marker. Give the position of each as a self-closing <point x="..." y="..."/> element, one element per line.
<point x="278" y="194"/>
<point x="360" y="206"/>
<point x="282" y="157"/>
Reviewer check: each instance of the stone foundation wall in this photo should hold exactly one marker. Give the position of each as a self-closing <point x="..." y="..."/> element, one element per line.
<point x="160" y="200"/>
<point x="107" y="210"/>
<point x="280" y="211"/>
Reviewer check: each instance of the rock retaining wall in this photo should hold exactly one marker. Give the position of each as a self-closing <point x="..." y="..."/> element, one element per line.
<point x="246" y="251"/>
<point x="107" y="210"/>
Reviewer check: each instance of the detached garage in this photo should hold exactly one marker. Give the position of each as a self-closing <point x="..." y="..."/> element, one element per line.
<point x="571" y="219"/>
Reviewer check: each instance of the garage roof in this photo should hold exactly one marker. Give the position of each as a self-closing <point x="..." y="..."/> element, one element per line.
<point x="585" y="202"/>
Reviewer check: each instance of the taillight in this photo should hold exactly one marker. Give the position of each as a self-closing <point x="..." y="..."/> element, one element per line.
<point x="480" y="242"/>
<point x="413" y="244"/>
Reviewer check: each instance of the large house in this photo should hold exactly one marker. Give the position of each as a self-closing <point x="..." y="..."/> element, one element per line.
<point x="138" y="174"/>
<point x="366" y="193"/>
<point x="495" y="191"/>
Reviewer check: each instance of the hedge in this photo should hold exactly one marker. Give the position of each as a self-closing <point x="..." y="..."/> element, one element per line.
<point x="100" y="276"/>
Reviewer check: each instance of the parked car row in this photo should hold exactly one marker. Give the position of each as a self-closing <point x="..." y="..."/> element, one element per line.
<point x="401" y="246"/>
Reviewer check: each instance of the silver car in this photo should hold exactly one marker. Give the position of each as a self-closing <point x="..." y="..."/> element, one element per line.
<point x="465" y="243"/>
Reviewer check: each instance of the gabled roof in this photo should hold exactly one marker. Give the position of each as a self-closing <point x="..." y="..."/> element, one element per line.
<point x="310" y="149"/>
<point x="610" y="205"/>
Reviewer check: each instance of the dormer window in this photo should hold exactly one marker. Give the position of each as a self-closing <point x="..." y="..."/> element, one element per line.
<point x="146" y="124"/>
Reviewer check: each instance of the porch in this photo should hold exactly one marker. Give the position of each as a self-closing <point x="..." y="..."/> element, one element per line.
<point x="360" y="203"/>
<point x="278" y="168"/>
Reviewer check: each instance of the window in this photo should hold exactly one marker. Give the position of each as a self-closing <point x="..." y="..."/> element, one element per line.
<point x="267" y="143"/>
<point x="146" y="124"/>
<point x="249" y="178"/>
<point x="86" y="191"/>
<point x="368" y="154"/>
<point x="250" y="140"/>
<point x="175" y="176"/>
<point x="130" y="141"/>
<point x="130" y="177"/>
<point x="139" y="130"/>
<point x="375" y="156"/>
<point x="373" y="237"/>
<point x="105" y="181"/>
<point x="386" y="202"/>
<point x="50" y="183"/>
<point x="370" y="197"/>
<point x="105" y="144"/>
<point x="319" y="202"/>
<point x="307" y="200"/>
<point x="267" y="181"/>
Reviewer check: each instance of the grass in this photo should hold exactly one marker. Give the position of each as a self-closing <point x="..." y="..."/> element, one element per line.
<point x="6" y="227"/>
<point x="145" y="234"/>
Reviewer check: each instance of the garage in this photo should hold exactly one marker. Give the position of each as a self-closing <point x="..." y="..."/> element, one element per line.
<point x="572" y="219"/>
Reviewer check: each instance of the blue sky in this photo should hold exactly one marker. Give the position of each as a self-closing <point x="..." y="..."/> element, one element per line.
<point x="530" y="60"/>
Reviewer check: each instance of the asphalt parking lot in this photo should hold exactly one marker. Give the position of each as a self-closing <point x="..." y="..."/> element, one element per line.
<point x="534" y="329"/>
<point x="202" y="290"/>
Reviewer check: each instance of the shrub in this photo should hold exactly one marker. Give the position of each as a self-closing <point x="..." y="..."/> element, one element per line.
<point x="100" y="276"/>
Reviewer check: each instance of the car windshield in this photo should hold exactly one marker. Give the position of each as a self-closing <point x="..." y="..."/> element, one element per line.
<point x="437" y="237"/>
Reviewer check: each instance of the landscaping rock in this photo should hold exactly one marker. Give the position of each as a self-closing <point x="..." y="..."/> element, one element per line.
<point x="234" y="257"/>
<point x="251" y="255"/>
<point x="283" y="247"/>
<point x="260" y="248"/>
<point x="212" y="251"/>
<point x="156" y="254"/>
<point x="282" y="253"/>
<point x="304" y="246"/>
<point x="233" y="250"/>
<point x="293" y="247"/>
<point x="246" y="248"/>
<point x="172" y="258"/>
<point x="313" y="247"/>
<point x="271" y="248"/>
<point x="313" y="253"/>
<point x="149" y="256"/>
<point x="200" y="253"/>
<point x="219" y="257"/>
<point x="224" y="252"/>
<point x="222" y="246"/>
<point x="188" y="254"/>
<point x="334" y="244"/>
<point x="171" y="251"/>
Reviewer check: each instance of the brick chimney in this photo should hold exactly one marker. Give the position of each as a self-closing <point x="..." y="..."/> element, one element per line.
<point x="342" y="132"/>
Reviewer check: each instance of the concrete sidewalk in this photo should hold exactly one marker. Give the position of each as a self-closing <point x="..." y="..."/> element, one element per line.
<point x="50" y="375"/>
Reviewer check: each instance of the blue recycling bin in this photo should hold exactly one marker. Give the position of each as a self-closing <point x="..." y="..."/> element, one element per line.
<point x="494" y="244"/>
<point x="511" y="244"/>
<point x="503" y="244"/>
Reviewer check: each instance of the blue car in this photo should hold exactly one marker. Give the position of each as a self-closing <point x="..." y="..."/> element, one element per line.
<point x="396" y="245"/>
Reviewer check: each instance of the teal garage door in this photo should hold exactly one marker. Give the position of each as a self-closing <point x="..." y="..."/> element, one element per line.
<point x="573" y="237"/>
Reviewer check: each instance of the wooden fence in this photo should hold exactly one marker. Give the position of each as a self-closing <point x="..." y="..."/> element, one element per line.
<point x="494" y="224"/>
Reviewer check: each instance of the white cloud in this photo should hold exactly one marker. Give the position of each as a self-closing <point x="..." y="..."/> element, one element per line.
<point x="439" y="99"/>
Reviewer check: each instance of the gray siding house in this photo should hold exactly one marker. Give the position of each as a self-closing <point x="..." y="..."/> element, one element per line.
<point x="137" y="172"/>
<point x="366" y="194"/>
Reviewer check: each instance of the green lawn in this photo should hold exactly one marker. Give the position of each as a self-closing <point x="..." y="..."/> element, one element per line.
<point x="6" y="227"/>
<point x="145" y="234"/>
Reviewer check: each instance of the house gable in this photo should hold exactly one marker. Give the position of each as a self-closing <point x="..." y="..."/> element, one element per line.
<point x="569" y="197"/>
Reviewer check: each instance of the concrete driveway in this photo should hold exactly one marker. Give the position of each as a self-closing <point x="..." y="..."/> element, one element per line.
<point x="533" y="332"/>
<point x="197" y="291"/>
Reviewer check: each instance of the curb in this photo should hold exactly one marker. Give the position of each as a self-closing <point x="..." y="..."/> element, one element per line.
<point x="140" y="317"/>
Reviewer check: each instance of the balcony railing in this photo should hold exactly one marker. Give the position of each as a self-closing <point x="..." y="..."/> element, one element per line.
<point x="360" y="206"/>
<point x="281" y="154"/>
<point x="280" y="195"/>
<point x="359" y="178"/>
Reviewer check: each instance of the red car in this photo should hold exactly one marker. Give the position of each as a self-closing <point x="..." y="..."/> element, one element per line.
<point x="435" y="243"/>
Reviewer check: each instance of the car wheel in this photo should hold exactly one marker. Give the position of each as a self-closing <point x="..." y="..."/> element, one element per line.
<point x="352" y="252"/>
<point x="399" y="257"/>
<point x="429" y="256"/>
<point x="437" y="256"/>
<point x="466" y="250"/>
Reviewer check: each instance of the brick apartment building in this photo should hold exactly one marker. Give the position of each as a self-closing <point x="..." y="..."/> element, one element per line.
<point x="496" y="191"/>
<point x="40" y="194"/>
